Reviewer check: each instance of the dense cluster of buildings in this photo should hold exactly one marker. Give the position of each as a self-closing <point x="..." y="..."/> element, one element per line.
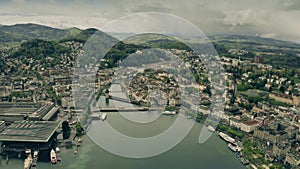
<point x="261" y="103"/>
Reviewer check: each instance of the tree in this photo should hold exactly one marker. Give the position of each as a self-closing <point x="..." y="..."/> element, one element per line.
<point x="65" y="126"/>
<point x="79" y="128"/>
<point x="199" y="117"/>
<point x="207" y="90"/>
<point x="66" y="130"/>
<point x="282" y="89"/>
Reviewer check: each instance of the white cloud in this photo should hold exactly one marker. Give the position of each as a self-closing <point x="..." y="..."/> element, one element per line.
<point x="267" y="35"/>
<point x="239" y="18"/>
<point x="18" y="1"/>
<point x="280" y="17"/>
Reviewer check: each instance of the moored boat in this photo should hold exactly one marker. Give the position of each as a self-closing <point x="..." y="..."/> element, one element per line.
<point x="27" y="151"/>
<point x="234" y="147"/>
<point x="57" y="149"/>
<point x="189" y="117"/>
<point x="168" y="113"/>
<point x="211" y="128"/>
<point x="35" y="153"/>
<point x="103" y="116"/>
<point x="28" y="162"/>
<point x="53" y="157"/>
<point x="227" y="137"/>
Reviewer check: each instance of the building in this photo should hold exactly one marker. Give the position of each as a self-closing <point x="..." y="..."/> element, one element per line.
<point x="280" y="149"/>
<point x="258" y="59"/>
<point x="296" y="100"/>
<point x="273" y="136"/>
<point x="284" y="98"/>
<point x="250" y="126"/>
<point x="11" y="112"/>
<point x="23" y="135"/>
<point x="235" y="122"/>
<point x="292" y="159"/>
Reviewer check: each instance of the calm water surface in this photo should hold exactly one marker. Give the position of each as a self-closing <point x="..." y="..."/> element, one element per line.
<point x="189" y="154"/>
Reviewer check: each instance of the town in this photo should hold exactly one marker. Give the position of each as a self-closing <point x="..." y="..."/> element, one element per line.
<point x="261" y="104"/>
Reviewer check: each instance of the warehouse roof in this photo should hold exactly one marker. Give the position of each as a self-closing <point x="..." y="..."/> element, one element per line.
<point x="29" y="131"/>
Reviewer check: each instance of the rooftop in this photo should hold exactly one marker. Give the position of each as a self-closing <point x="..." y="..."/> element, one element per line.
<point x="252" y="122"/>
<point x="29" y="131"/>
<point x="31" y="110"/>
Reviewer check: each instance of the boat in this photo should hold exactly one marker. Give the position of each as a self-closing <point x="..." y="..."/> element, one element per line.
<point x="53" y="157"/>
<point x="57" y="149"/>
<point x="103" y="116"/>
<point x="73" y="122"/>
<point x="28" y="151"/>
<point x="244" y="161"/>
<point x="28" y="162"/>
<point x="189" y="117"/>
<point x="234" y="147"/>
<point x="227" y="137"/>
<point x="35" y="154"/>
<point x="95" y="116"/>
<point x="58" y="157"/>
<point x="211" y="128"/>
<point x="168" y="113"/>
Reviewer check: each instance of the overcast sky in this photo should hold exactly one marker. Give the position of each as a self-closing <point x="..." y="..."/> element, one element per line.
<point x="267" y="18"/>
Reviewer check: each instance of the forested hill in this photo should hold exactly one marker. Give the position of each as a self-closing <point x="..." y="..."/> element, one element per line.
<point x="40" y="41"/>
<point x="23" y="32"/>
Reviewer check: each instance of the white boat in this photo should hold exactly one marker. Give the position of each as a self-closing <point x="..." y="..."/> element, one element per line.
<point x="73" y="122"/>
<point x="35" y="153"/>
<point x="227" y="138"/>
<point x="234" y="147"/>
<point x="57" y="149"/>
<point x="53" y="157"/>
<point x="28" y="151"/>
<point x="103" y="116"/>
<point x="168" y="113"/>
<point x="28" y="162"/>
<point x="189" y="117"/>
<point x="211" y="128"/>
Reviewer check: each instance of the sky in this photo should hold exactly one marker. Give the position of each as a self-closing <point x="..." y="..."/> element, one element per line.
<point x="277" y="19"/>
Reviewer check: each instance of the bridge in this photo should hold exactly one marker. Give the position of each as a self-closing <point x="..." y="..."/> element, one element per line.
<point x="118" y="109"/>
<point x="124" y="100"/>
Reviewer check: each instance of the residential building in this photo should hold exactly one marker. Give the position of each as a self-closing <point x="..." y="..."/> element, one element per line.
<point x="292" y="159"/>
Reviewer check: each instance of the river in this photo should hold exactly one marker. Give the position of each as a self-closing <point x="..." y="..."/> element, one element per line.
<point x="188" y="154"/>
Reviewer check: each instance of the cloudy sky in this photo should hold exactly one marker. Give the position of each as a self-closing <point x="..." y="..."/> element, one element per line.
<point x="267" y="18"/>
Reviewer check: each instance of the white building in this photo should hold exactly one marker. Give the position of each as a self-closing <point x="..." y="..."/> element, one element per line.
<point x="249" y="126"/>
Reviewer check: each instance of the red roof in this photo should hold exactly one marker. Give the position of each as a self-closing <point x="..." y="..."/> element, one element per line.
<point x="251" y="122"/>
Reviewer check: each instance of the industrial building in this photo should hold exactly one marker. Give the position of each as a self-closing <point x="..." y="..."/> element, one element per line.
<point x="22" y="135"/>
<point x="11" y="112"/>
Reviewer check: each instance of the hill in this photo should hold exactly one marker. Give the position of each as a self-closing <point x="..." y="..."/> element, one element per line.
<point x="23" y="32"/>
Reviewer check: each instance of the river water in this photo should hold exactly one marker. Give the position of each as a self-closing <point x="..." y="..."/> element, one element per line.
<point x="188" y="154"/>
